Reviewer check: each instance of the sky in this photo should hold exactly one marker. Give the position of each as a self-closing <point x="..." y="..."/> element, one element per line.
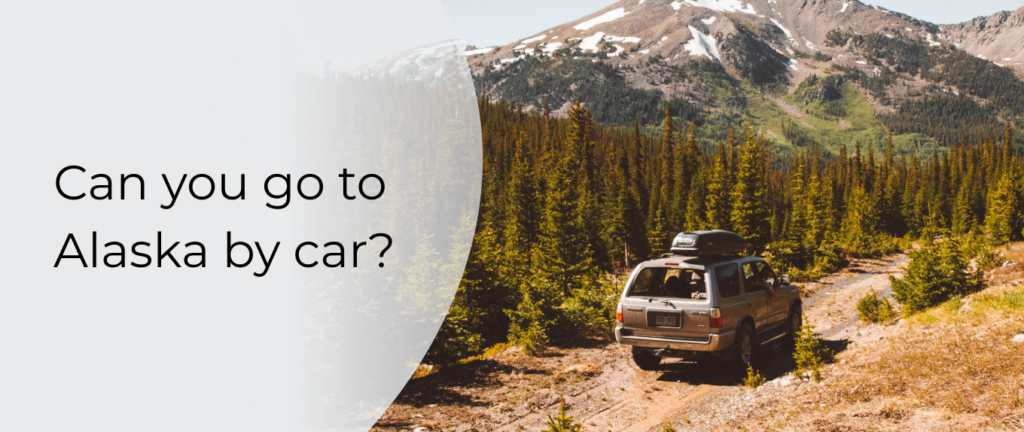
<point x="493" y="22"/>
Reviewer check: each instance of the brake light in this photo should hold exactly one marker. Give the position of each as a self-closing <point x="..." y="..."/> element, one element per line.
<point x="716" y="318"/>
<point x="618" y="313"/>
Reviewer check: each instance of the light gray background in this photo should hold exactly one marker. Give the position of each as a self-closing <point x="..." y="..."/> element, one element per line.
<point x="208" y="87"/>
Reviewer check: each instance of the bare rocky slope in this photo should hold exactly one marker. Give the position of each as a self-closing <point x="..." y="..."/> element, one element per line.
<point x="999" y="37"/>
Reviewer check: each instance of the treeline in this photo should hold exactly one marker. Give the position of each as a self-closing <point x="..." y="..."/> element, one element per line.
<point x="565" y="202"/>
<point x="943" y="117"/>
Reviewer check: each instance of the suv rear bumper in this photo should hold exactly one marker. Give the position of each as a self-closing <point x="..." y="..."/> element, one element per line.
<point x="716" y="342"/>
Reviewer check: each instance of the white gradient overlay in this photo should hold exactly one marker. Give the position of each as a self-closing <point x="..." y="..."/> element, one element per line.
<point x="226" y="87"/>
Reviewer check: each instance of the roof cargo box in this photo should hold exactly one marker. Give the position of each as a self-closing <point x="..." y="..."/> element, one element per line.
<point x="708" y="243"/>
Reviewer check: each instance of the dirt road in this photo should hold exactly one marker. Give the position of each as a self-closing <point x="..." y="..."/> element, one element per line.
<point x="512" y="392"/>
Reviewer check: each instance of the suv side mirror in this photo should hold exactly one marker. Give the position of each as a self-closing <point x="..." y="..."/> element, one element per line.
<point x="785" y="279"/>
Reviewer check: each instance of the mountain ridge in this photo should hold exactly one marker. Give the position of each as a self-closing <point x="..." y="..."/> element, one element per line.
<point x="721" y="61"/>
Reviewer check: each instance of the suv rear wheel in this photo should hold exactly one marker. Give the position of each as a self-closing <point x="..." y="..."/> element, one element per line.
<point x="745" y="346"/>
<point x="645" y="359"/>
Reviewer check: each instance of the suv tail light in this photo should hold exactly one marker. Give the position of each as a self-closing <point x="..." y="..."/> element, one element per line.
<point x="618" y="313"/>
<point x="716" y="318"/>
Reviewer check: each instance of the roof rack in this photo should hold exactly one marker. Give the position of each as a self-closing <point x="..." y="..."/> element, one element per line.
<point x="708" y="243"/>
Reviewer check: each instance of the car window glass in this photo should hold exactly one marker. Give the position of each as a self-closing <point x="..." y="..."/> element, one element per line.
<point x="752" y="281"/>
<point x="667" y="282"/>
<point x="642" y="285"/>
<point x="727" y="278"/>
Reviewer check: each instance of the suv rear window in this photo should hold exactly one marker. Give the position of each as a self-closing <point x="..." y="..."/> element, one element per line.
<point x="666" y="282"/>
<point x="727" y="277"/>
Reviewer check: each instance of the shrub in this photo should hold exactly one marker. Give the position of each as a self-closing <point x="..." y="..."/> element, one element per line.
<point x="529" y="327"/>
<point x="668" y="428"/>
<point x="804" y="264"/>
<point x="836" y="37"/>
<point x="534" y="340"/>
<point x="872" y="246"/>
<point x="563" y="423"/>
<point x="874" y="308"/>
<point x="810" y="353"/>
<point x="808" y="275"/>
<point x="829" y="257"/>
<point x="937" y="273"/>
<point x="754" y="378"/>
<point x="984" y="254"/>
<point x="591" y="309"/>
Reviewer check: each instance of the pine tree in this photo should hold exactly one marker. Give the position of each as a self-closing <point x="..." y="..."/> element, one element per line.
<point x="799" y="225"/>
<point x="667" y="165"/>
<point x="624" y="220"/>
<point x="658" y="235"/>
<point x="719" y="195"/>
<point x="687" y="163"/>
<point x="750" y="214"/>
<point x="696" y="218"/>
<point x="638" y="167"/>
<point x="522" y="206"/>
<point x="1004" y="211"/>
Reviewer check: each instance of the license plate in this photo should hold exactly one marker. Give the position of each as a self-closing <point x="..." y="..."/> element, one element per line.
<point x="666" y="320"/>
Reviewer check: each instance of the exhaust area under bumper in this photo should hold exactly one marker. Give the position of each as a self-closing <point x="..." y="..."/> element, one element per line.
<point x="716" y="342"/>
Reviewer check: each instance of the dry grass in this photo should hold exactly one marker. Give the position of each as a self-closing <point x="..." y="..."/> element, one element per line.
<point x="958" y="356"/>
<point x="953" y="367"/>
<point x="957" y="366"/>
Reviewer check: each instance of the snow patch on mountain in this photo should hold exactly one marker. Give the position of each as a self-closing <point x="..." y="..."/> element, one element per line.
<point x="551" y="47"/>
<point x="845" y="5"/>
<point x="627" y="39"/>
<point x="534" y="39"/>
<point x="590" y="43"/>
<point x="607" y="17"/>
<point x="702" y="45"/>
<point x="784" y="29"/>
<point x="430" y="65"/>
<point x="718" y="5"/>
<point x="413" y="62"/>
<point x="478" y="51"/>
<point x="708" y="21"/>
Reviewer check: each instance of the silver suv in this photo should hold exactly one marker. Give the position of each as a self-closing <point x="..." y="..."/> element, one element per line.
<point x="705" y="299"/>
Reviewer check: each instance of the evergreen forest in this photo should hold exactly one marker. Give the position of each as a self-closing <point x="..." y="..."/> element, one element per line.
<point x="569" y="206"/>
